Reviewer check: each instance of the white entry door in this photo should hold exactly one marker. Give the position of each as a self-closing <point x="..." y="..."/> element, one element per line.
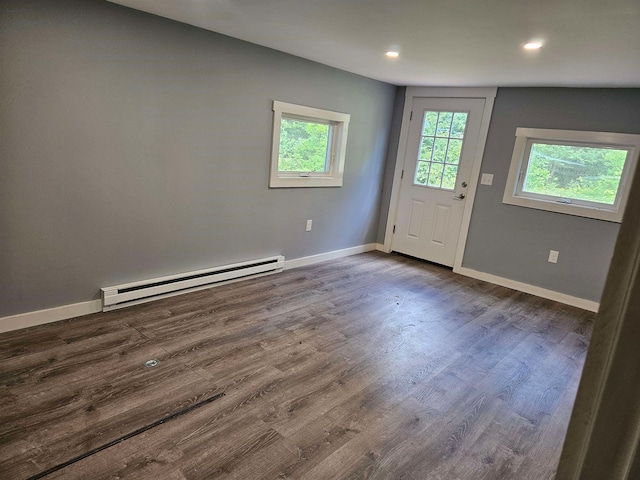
<point x="443" y="134"/>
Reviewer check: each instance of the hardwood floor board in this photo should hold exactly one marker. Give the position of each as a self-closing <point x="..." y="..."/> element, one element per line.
<point x="28" y="341"/>
<point x="542" y="458"/>
<point x="370" y="366"/>
<point x="377" y="399"/>
<point x="234" y="332"/>
<point x="441" y="391"/>
<point x="364" y="322"/>
<point x="216" y="460"/>
<point x="299" y="402"/>
<point x="468" y="314"/>
<point x="575" y="346"/>
<point x="163" y="327"/>
<point x="512" y="374"/>
<point x="487" y="352"/>
<point x="88" y="418"/>
<point x="216" y="310"/>
<point x="213" y="453"/>
<point x="314" y="442"/>
<point x="207" y="443"/>
<point x="582" y="321"/>
<point x="317" y="332"/>
<point x="326" y="395"/>
<point x="444" y="444"/>
<point x="555" y="375"/>
<point x="81" y="328"/>
<point x="74" y="361"/>
<point x="382" y="442"/>
<point x="501" y="449"/>
<point x="210" y="346"/>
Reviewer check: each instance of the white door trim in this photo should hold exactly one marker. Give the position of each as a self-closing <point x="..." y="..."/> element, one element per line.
<point x="488" y="94"/>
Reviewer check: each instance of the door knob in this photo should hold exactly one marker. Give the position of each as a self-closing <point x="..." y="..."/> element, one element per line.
<point x="460" y="196"/>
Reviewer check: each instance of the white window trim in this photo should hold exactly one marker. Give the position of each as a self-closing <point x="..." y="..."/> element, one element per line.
<point x="338" y="147"/>
<point x="523" y="138"/>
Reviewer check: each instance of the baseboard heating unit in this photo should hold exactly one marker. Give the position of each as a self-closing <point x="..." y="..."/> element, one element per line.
<point x="134" y="293"/>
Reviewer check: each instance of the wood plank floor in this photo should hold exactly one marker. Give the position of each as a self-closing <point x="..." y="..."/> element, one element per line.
<point x="372" y="366"/>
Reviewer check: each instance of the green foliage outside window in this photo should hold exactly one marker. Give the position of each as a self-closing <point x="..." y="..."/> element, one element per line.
<point x="575" y="172"/>
<point x="303" y="146"/>
<point x="440" y="149"/>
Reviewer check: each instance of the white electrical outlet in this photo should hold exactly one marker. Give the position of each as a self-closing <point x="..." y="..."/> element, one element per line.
<point x="308" y="227"/>
<point x="487" y="179"/>
<point x="553" y="256"/>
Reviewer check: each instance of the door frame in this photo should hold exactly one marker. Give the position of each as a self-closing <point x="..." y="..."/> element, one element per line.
<point x="488" y="95"/>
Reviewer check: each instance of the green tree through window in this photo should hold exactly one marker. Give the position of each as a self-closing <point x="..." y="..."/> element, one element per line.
<point x="575" y="172"/>
<point x="303" y="146"/>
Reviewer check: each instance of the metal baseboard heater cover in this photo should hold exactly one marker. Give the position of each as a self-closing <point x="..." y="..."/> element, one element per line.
<point x="120" y="296"/>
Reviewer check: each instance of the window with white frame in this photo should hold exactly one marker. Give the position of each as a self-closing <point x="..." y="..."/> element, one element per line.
<point x="308" y="148"/>
<point x="573" y="172"/>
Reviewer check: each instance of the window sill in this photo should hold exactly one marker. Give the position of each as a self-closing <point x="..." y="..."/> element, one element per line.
<point x="567" y="209"/>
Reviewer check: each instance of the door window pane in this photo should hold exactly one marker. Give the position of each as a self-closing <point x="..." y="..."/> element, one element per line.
<point x="459" y="124"/>
<point x="440" y="149"/>
<point x="444" y="124"/>
<point x="429" y="125"/>
<point x="453" y="152"/>
<point x="435" y="175"/>
<point x="449" y="177"/>
<point x="426" y="148"/>
<point x="422" y="172"/>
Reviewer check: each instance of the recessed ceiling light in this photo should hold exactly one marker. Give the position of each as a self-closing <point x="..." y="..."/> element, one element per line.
<point x="392" y="54"/>
<point x="533" y="45"/>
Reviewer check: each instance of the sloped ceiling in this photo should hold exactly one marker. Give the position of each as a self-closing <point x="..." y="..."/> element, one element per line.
<point x="441" y="42"/>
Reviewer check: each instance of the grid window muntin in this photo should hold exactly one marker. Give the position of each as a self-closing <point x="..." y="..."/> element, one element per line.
<point x="440" y="149"/>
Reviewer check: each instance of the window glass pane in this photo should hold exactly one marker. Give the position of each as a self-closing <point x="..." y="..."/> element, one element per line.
<point x="303" y="146"/>
<point x="426" y="149"/>
<point x="449" y="177"/>
<point x="429" y="125"/>
<point x="435" y="175"/>
<point x="441" y="142"/>
<point x="422" y="172"/>
<point x="453" y="152"/>
<point x="440" y="150"/>
<point x="444" y="124"/>
<point x="459" y="124"/>
<point x="575" y="172"/>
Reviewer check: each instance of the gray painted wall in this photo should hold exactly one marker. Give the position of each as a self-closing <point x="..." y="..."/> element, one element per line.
<point x="134" y="146"/>
<point x="514" y="242"/>
<point x="392" y="154"/>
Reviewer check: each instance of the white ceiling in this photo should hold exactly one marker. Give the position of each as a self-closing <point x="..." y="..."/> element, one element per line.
<point x="442" y="42"/>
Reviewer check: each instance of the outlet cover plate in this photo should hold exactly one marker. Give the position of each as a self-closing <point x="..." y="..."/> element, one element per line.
<point x="487" y="179"/>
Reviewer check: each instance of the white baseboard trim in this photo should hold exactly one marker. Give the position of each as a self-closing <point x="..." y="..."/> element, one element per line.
<point x="49" y="315"/>
<point x="380" y="248"/>
<point x="323" y="257"/>
<point x="531" y="289"/>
